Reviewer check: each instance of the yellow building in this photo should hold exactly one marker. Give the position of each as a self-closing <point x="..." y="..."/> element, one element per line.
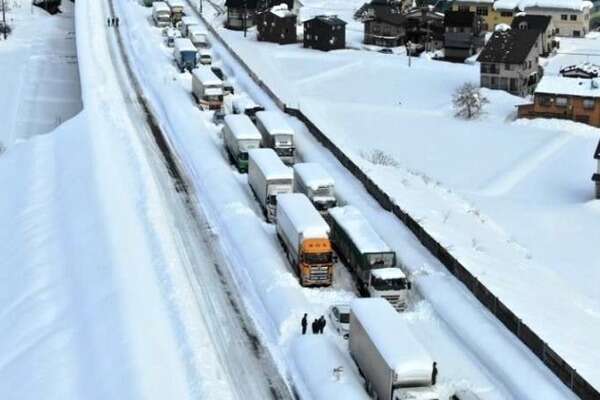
<point x="492" y="13"/>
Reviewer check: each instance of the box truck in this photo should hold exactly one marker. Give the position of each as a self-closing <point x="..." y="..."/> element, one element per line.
<point x="185" y="54"/>
<point x="368" y="257"/>
<point x="207" y="88"/>
<point x="312" y="180"/>
<point x="177" y="8"/>
<point x="240" y="136"/>
<point x="393" y="362"/>
<point x="304" y="235"/>
<point x="198" y="36"/>
<point x="277" y="134"/>
<point x="161" y="14"/>
<point x="185" y="24"/>
<point x="268" y="177"/>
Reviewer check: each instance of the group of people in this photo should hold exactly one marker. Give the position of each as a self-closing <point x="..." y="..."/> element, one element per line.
<point x="112" y="21"/>
<point x="318" y="325"/>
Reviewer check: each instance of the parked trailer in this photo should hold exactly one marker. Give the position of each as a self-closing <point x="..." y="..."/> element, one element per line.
<point x="368" y="257"/>
<point x="177" y="10"/>
<point x="277" y="134"/>
<point x="207" y="88"/>
<point x="394" y="363"/>
<point x="198" y="36"/>
<point x="268" y="177"/>
<point x="185" y="24"/>
<point x="161" y="14"/>
<point x="240" y="136"/>
<point x="304" y="235"/>
<point x="185" y="54"/>
<point x="312" y="180"/>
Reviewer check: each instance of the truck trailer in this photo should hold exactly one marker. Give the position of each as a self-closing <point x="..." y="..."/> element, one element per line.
<point x="161" y="14"/>
<point x="207" y="88"/>
<point x="186" y="54"/>
<point x="277" y="134"/>
<point x="268" y="177"/>
<point x="312" y="180"/>
<point x="243" y="104"/>
<point x="304" y="235"/>
<point x="177" y="10"/>
<point x="240" y="136"/>
<point x="368" y="257"/>
<point x="393" y="362"/>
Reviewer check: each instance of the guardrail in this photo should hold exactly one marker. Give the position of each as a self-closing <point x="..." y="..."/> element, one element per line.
<point x="555" y="363"/>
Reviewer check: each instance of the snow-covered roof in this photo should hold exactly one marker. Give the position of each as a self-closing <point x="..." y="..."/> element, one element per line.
<point x="393" y="339"/>
<point x="197" y="30"/>
<point x="388" y="273"/>
<point x="474" y="1"/>
<point x="176" y="3"/>
<point x="270" y="164"/>
<point x="243" y="102"/>
<point x="184" y="44"/>
<point x="241" y="127"/>
<point x="506" y="4"/>
<point x="592" y="70"/>
<point x="160" y="6"/>
<point x="359" y="230"/>
<point x="569" y="86"/>
<point x="188" y="20"/>
<point x="274" y="123"/>
<point x="313" y="175"/>
<point x="281" y="11"/>
<point x="556" y="4"/>
<point x="206" y="76"/>
<point x="303" y="215"/>
<point x="502" y="27"/>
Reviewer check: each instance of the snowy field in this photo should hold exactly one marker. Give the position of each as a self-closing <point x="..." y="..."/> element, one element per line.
<point x="511" y="199"/>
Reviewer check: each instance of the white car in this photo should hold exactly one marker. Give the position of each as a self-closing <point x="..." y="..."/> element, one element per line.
<point x="339" y="315"/>
<point x="170" y="35"/>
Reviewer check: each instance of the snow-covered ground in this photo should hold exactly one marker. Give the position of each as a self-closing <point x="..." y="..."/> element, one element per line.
<point x="511" y="199"/>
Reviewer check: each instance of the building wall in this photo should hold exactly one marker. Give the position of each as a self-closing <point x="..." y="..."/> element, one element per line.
<point x="545" y="105"/>
<point x="383" y="34"/>
<point x="318" y="35"/>
<point x="491" y="17"/>
<point x="566" y="27"/>
<point x="519" y="73"/>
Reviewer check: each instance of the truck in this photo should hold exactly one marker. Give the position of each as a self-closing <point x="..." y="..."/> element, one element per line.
<point x="161" y="14"/>
<point x="312" y="180"/>
<point x="205" y="56"/>
<point x="268" y="177"/>
<point x="177" y="10"/>
<point x="368" y="257"/>
<point x="185" y="24"/>
<point x="393" y="362"/>
<point x="240" y="136"/>
<point x="243" y="104"/>
<point x="198" y="36"/>
<point x="277" y="134"/>
<point x="304" y="235"/>
<point x="207" y="88"/>
<point x="186" y="54"/>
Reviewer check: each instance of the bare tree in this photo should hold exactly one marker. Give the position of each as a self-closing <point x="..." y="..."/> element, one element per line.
<point x="468" y="101"/>
<point x="379" y="157"/>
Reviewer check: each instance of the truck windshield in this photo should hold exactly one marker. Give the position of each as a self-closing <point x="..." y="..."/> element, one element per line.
<point x="388" y="284"/>
<point x="243" y="156"/>
<point x="318" y="258"/>
<point x="285" y="151"/>
<point x="344" y="318"/>
<point x="322" y="191"/>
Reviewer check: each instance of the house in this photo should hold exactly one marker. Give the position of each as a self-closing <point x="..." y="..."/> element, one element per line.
<point x="509" y="61"/>
<point x="596" y="176"/>
<point x="584" y="70"/>
<point x="425" y="26"/>
<point x="325" y="32"/>
<point x="383" y="23"/>
<point x="462" y="34"/>
<point x="576" y="99"/>
<point x="570" y="17"/>
<point x="241" y="14"/>
<point x="541" y="23"/>
<point x="504" y="12"/>
<point x="492" y="13"/>
<point x="277" y="25"/>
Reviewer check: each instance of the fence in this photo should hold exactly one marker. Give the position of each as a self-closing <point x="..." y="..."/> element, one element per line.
<point x="567" y="374"/>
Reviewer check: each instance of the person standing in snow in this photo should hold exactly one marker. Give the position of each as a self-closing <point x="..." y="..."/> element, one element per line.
<point x="304" y="324"/>
<point x="434" y="373"/>
<point x="107" y="21"/>
<point x="315" y="327"/>
<point x="322" y="324"/>
<point x="117" y="21"/>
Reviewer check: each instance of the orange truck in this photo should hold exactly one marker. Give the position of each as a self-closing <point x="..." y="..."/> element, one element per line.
<point x="304" y="235"/>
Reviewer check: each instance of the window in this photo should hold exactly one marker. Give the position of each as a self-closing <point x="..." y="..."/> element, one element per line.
<point x="523" y="25"/>
<point x="464" y="8"/>
<point x="507" y="67"/>
<point x="482" y="11"/>
<point x="529" y="63"/>
<point x="556" y="31"/>
<point x="564" y="17"/>
<point x="562" y="101"/>
<point x="544" y="100"/>
<point x="506" y="13"/>
<point x="573" y="17"/>
<point x="588" y="104"/>
<point x="576" y="34"/>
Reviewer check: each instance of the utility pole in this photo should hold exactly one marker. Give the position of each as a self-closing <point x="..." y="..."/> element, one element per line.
<point x="4" y="27"/>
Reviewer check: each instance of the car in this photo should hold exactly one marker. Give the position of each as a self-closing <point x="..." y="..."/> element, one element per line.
<point x="218" y="116"/>
<point x="339" y="315"/>
<point x="170" y="35"/>
<point x="385" y="50"/>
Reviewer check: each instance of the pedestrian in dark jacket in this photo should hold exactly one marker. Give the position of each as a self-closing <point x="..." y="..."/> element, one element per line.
<point x="434" y="373"/>
<point x="315" y="326"/>
<point x="107" y="21"/>
<point x="117" y="21"/>
<point x="304" y="324"/>
<point x="322" y="324"/>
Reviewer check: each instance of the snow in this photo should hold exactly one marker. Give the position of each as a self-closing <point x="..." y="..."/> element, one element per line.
<point x="569" y="86"/>
<point x="578" y="5"/>
<point x="313" y="175"/>
<point x="184" y="44"/>
<point x="358" y="228"/>
<point x="175" y="3"/>
<point x="274" y="123"/>
<point x="392" y="337"/>
<point x="304" y="220"/>
<point x="270" y="165"/>
<point x="206" y="76"/>
<point x="161" y="7"/>
<point x="508" y="5"/>
<point x="242" y="128"/>
<point x="388" y="273"/>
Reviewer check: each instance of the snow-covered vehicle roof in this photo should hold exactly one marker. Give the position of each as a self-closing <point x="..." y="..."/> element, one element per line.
<point x="270" y="164"/>
<point x="176" y="3"/>
<point x="313" y="175"/>
<point x="241" y="127"/>
<point x="241" y="103"/>
<point x="160" y="6"/>
<point x="392" y="336"/>
<point x="358" y="228"/>
<point x="274" y="122"/>
<point x="184" y="44"/>
<point x="569" y="86"/>
<point x="303" y="215"/>
<point x="197" y="30"/>
<point x="388" y="273"/>
<point x="206" y="76"/>
<point x="189" y="20"/>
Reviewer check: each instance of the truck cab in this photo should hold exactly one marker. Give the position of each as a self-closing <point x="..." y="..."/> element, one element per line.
<point x="316" y="262"/>
<point x="390" y="284"/>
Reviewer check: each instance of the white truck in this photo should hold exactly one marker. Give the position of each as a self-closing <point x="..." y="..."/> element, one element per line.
<point x="186" y="54"/>
<point x="240" y="136"/>
<point x="268" y="177"/>
<point x="205" y="56"/>
<point x="304" y="235"/>
<point x="198" y="36"/>
<point x="185" y="24"/>
<point x="369" y="258"/>
<point x="161" y="14"/>
<point x="207" y="88"/>
<point x="243" y="104"/>
<point x="177" y="10"/>
<point x="394" y="363"/>
<point x="277" y="134"/>
<point x="312" y="180"/>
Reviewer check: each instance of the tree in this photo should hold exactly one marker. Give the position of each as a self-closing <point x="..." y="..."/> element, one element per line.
<point x="468" y="101"/>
